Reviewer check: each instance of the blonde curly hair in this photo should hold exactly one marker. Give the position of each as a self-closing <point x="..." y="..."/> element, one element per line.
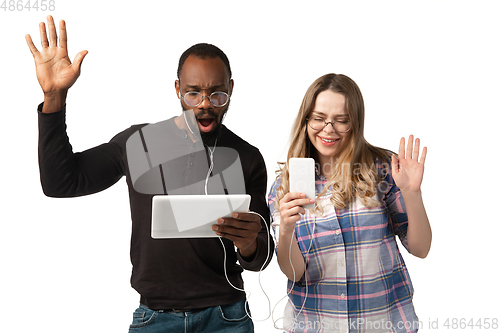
<point x="354" y="171"/>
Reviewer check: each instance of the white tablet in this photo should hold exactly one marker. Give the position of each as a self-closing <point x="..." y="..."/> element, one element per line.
<point x="192" y="216"/>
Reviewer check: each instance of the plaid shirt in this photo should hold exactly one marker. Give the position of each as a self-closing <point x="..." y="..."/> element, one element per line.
<point x="355" y="278"/>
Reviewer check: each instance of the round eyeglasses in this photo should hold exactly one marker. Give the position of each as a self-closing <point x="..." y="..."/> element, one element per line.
<point x="340" y="125"/>
<point x="217" y="98"/>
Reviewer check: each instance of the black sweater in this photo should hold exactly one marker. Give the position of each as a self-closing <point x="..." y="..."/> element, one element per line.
<point x="167" y="273"/>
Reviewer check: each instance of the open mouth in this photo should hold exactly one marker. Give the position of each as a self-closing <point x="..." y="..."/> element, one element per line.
<point x="206" y="124"/>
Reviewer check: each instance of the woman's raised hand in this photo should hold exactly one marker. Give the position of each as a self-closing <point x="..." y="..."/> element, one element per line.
<point x="407" y="170"/>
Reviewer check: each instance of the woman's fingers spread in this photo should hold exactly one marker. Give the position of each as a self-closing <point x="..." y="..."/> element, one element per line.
<point x="401" y="152"/>
<point x="424" y="155"/>
<point x="416" y="150"/>
<point x="409" y="148"/>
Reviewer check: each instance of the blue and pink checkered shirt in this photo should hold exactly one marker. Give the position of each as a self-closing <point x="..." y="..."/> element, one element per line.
<point x="355" y="279"/>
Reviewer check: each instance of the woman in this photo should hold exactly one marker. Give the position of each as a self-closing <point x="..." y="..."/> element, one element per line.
<point x="345" y="271"/>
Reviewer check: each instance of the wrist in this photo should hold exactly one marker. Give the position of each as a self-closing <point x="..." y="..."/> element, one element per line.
<point x="412" y="197"/>
<point x="411" y="193"/>
<point x="54" y="101"/>
<point x="286" y="232"/>
<point x="248" y="253"/>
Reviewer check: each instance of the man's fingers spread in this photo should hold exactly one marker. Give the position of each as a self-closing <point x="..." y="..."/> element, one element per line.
<point x="32" y="46"/>
<point x="43" y="35"/>
<point x="77" y="62"/>
<point x="63" y="38"/>
<point x="52" y="31"/>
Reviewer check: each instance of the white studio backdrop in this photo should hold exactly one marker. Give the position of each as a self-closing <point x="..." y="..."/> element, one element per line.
<point x="428" y="68"/>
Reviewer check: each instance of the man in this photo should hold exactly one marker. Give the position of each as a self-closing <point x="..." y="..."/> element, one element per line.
<point x="182" y="282"/>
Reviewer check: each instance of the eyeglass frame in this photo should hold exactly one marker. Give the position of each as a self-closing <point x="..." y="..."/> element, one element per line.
<point x="326" y="124"/>
<point x="203" y="97"/>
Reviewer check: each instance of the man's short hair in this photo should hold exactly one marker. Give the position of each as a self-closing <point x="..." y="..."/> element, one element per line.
<point x="204" y="51"/>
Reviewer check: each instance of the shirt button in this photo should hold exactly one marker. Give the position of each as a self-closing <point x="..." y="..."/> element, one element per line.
<point x="190" y="163"/>
<point x="342" y="296"/>
<point x="337" y="231"/>
<point x="341" y="263"/>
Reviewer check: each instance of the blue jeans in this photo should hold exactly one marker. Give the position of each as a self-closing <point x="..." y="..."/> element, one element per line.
<point x="231" y="318"/>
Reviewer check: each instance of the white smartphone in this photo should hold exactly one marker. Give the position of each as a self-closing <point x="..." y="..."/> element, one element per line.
<point x="302" y="178"/>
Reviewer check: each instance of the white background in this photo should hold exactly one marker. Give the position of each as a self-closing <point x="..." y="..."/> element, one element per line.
<point x="428" y="68"/>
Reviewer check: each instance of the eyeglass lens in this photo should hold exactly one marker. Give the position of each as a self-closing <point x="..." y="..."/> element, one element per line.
<point x="341" y="125"/>
<point x="216" y="98"/>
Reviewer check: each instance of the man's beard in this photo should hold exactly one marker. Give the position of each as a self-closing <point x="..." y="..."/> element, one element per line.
<point x="210" y="138"/>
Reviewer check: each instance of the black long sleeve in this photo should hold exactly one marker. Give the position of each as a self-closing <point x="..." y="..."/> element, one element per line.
<point x="265" y="243"/>
<point x="64" y="173"/>
<point x="167" y="273"/>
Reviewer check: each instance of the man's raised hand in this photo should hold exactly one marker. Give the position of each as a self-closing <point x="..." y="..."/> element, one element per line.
<point x="54" y="70"/>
